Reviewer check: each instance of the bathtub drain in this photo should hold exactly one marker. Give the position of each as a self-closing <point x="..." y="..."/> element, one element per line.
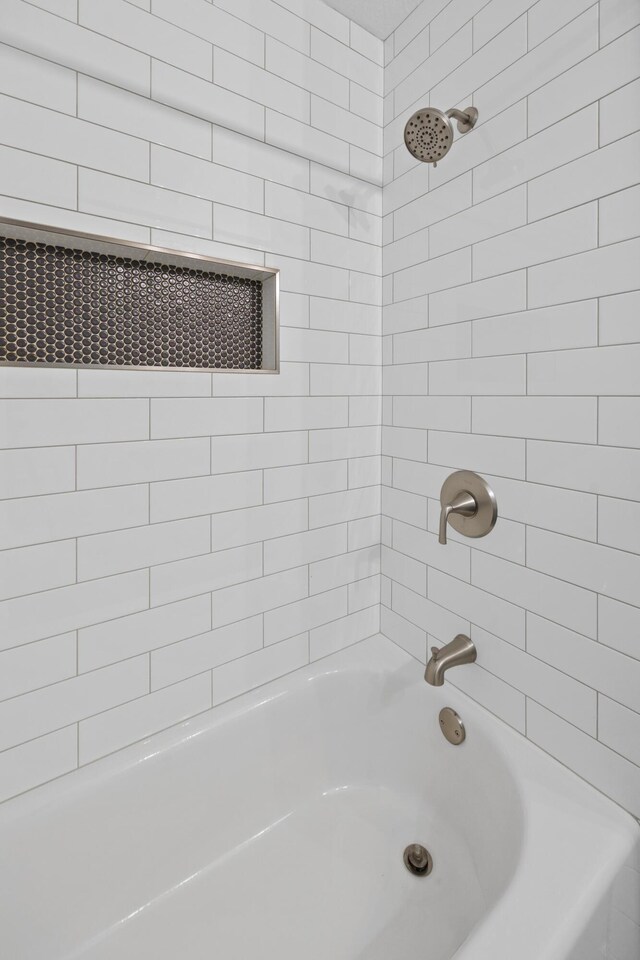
<point x="417" y="860"/>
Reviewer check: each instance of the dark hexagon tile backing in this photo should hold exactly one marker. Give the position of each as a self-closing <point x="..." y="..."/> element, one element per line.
<point x="59" y="305"/>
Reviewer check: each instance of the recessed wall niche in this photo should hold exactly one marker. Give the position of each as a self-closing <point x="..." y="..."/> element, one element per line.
<point x="80" y="300"/>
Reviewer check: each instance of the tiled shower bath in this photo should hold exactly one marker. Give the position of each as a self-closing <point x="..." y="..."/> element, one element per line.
<point x="170" y="539"/>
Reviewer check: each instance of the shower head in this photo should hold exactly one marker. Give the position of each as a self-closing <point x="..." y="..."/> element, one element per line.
<point x="428" y="134"/>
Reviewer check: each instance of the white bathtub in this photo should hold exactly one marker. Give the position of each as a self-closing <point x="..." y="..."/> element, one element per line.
<point x="274" y="829"/>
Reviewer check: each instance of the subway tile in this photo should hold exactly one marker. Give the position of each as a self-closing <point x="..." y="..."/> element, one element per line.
<point x="549" y="507"/>
<point x="113" y="464"/>
<point x="211" y="417"/>
<point x="257" y="451"/>
<point x="213" y="571"/>
<point x="505" y="456"/>
<point x="610" y="471"/>
<point x="341" y="315"/>
<point x="532" y="331"/>
<point x="306" y="413"/>
<point x="545" y="17"/>
<point x="507" y="539"/>
<point x="348" y="442"/>
<point x="105" y="554"/>
<point x="39" y="179"/>
<point x="619" y="524"/>
<point x="598" y="370"/>
<point x="258" y="523"/>
<point x="258" y="596"/>
<point x="407" y="379"/>
<point x="33" y="423"/>
<point x="422" y="478"/>
<point x="201" y="653"/>
<point x="606" y="770"/>
<point x="365" y="351"/>
<point x="424" y="546"/>
<point x="77" y="48"/>
<point x="326" y="640"/>
<point x="31" y="472"/>
<point x="239" y="676"/>
<point x="177" y="171"/>
<point x="31" y="569"/>
<point x="574" y="419"/>
<point x="434" y="206"/>
<point x="619" y="728"/>
<point x="272" y="19"/>
<point x="20" y="382"/>
<point x="619" y="113"/>
<point x="495" y="216"/>
<point x="482" y="298"/>
<point x="619" y="626"/>
<point x="550" y="148"/>
<point x="231" y="225"/>
<point x="194" y="95"/>
<point x="295" y="618"/>
<point x="490" y="21"/>
<point x="364" y="533"/>
<point x="551" y="239"/>
<point x="175" y="499"/>
<point x="38" y="761"/>
<point x="345" y="505"/>
<point x="137" y="633"/>
<point x="260" y="85"/>
<point x="612" y="67"/>
<point x="601" y="172"/>
<point x="618" y="421"/>
<point x="210" y="22"/>
<point x="616" y="17"/>
<point x="451" y="342"/>
<point x="434" y="413"/>
<point x="306" y="73"/>
<point x="619" y="214"/>
<point x="306" y="209"/>
<point x="307" y="480"/>
<point x="426" y="614"/>
<point x="37" y="665"/>
<point x="346" y="125"/>
<point x="292" y="381"/>
<point x="426" y="76"/>
<point x="365" y="471"/>
<point x="63" y="515"/>
<point x="37" y="713"/>
<point x="109" y="196"/>
<point x="482" y="375"/>
<point x="365" y="594"/>
<point x="149" y="34"/>
<point x="143" y="383"/>
<point x="37" y="80"/>
<point x="331" y="379"/>
<point x="357" y="194"/>
<point x="322" y="16"/>
<point x="314" y="279"/>
<point x="345" y="252"/>
<point x="326" y="575"/>
<point x="596" y="273"/>
<point x="614" y="573"/>
<point x="352" y="64"/>
<point x="440" y="273"/>
<point x="477" y="606"/>
<point x="285" y="552"/>
<point x="594" y="664"/>
<point x="120" y="726"/>
<point x="404" y="570"/>
<point x="246" y="155"/>
<point x="531" y="589"/>
<point x="573" y="43"/>
<point x="292" y="135"/>
<point x="400" y="505"/>
<point x="33" y="128"/>
<point x="494" y="695"/>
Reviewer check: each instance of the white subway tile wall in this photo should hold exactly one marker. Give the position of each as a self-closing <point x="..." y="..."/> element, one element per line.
<point x="170" y="540"/>
<point x="511" y="346"/>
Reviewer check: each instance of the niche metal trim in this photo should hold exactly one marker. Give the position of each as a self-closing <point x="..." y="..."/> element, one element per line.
<point x="268" y="277"/>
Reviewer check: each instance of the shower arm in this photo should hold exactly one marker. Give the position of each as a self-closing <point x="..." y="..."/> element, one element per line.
<point x="466" y="118"/>
<point x="458" y="115"/>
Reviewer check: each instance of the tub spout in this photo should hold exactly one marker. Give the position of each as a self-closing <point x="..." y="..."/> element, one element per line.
<point x="460" y="650"/>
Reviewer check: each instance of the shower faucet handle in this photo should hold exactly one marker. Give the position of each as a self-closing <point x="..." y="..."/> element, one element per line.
<point x="468" y="503"/>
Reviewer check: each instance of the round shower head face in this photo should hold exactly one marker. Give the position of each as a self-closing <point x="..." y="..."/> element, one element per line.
<point x="428" y="135"/>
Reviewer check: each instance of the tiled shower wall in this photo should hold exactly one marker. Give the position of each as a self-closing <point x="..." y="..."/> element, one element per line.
<point x="512" y="347"/>
<point x="168" y="540"/>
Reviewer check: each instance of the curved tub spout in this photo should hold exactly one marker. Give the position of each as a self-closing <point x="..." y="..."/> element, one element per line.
<point x="460" y="650"/>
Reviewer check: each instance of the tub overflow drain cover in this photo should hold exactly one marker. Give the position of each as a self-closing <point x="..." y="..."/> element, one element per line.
<point x="417" y="860"/>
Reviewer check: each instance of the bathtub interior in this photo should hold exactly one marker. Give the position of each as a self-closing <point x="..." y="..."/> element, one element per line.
<point x="274" y="827"/>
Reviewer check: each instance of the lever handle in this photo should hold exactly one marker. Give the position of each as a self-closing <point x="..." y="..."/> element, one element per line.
<point x="464" y="503"/>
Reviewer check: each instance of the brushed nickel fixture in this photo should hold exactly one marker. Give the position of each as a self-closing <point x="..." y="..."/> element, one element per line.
<point x="468" y="503"/>
<point x="460" y="650"/>
<point x="428" y="134"/>
<point x="452" y="726"/>
<point x="418" y="860"/>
